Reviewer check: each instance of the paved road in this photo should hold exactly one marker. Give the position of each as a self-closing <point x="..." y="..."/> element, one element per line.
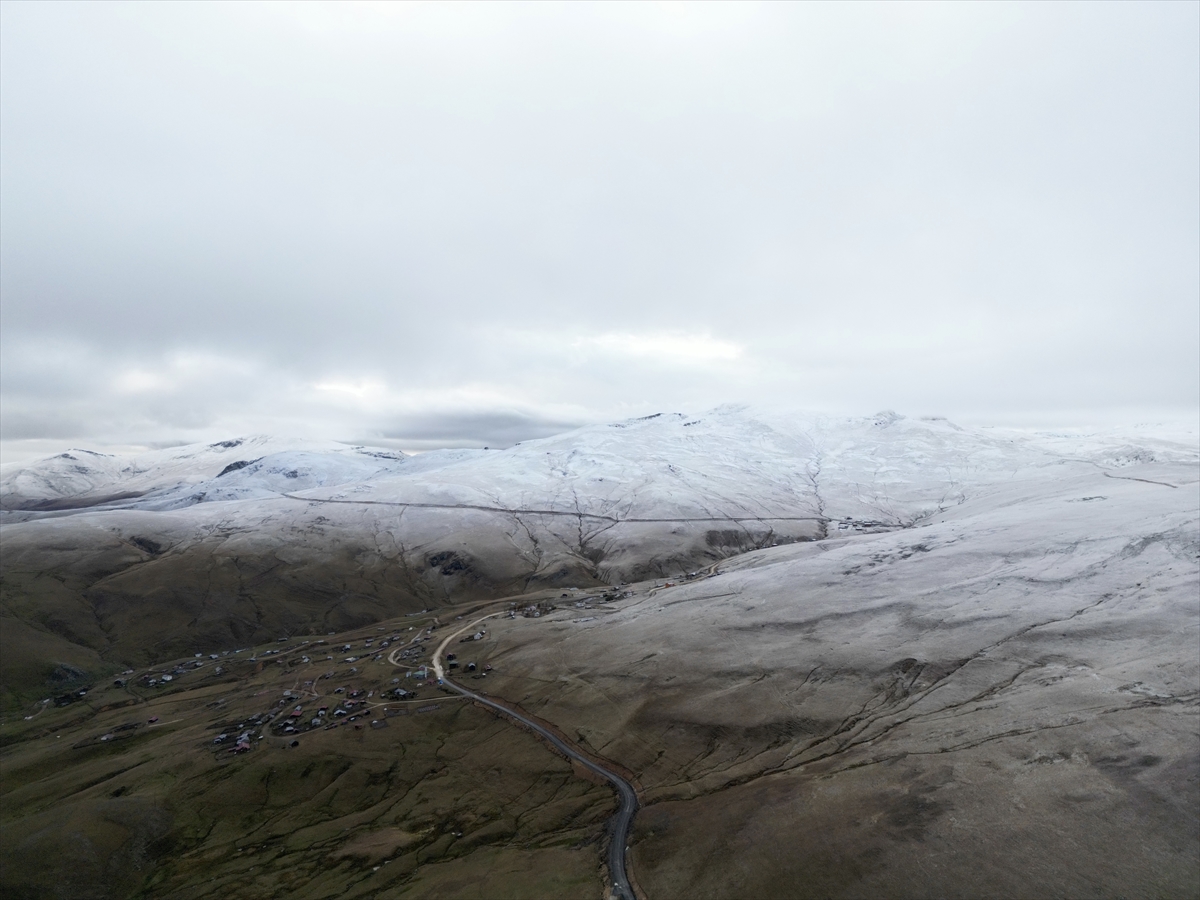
<point x="627" y="807"/>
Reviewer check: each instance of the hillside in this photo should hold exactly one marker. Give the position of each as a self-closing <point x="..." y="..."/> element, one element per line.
<point x="114" y="561"/>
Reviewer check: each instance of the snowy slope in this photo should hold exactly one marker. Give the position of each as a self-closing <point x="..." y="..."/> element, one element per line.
<point x="139" y="557"/>
<point x="1018" y="676"/>
<point x="732" y="462"/>
<point x="85" y="477"/>
<point x="737" y="463"/>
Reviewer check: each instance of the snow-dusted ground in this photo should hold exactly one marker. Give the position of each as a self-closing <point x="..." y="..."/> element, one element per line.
<point x="729" y="463"/>
<point x="654" y="496"/>
<point x="239" y="468"/>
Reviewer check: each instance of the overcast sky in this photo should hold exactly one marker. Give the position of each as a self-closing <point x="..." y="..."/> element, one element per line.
<point x="454" y="224"/>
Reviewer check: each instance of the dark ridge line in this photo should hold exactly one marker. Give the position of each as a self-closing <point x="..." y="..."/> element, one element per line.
<point x="71" y="503"/>
<point x="557" y="512"/>
<point x="1143" y="480"/>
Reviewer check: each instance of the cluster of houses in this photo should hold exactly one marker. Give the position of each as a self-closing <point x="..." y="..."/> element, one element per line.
<point x="422" y="676"/>
<point x="868" y="525"/>
<point x="238" y="738"/>
<point x="161" y="679"/>
<point x="411" y="652"/>
<point x="241" y="744"/>
<point x="241" y="735"/>
<point x="68" y="698"/>
<point x="350" y="706"/>
<point x="452" y="663"/>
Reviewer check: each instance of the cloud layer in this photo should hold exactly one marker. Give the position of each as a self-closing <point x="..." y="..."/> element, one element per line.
<point x="427" y="224"/>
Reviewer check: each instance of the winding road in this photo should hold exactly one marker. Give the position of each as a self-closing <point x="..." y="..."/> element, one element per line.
<point x="620" y="823"/>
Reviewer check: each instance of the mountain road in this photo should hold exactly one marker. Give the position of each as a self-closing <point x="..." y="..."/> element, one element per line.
<point x="627" y="806"/>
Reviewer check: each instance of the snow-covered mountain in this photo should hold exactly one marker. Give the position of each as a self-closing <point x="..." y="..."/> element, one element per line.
<point x="730" y="463"/>
<point x="253" y="535"/>
<point x="83" y="478"/>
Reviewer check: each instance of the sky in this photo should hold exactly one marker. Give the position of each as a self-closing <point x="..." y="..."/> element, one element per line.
<point x="422" y="225"/>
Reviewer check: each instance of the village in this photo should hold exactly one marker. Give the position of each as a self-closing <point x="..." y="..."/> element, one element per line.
<point x="310" y="704"/>
<point x="357" y="681"/>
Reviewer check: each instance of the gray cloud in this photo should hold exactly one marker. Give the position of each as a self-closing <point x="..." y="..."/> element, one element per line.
<point x="472" y="225"/>
<point x="495" y="429"/>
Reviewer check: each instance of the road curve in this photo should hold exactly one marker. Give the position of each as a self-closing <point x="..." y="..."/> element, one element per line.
<point x="627" y="807"/>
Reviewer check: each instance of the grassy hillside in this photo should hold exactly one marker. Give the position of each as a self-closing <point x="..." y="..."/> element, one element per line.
<point x="125" y="793"/>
